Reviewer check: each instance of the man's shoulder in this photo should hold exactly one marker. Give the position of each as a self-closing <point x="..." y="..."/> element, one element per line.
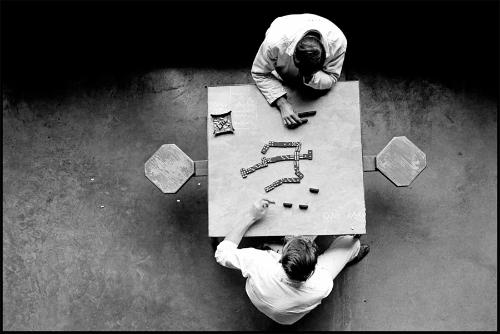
<point x="321" y="281"/>
<point x="278" y="36"/>
<point x="297" y="21"/>
<point x="303" y="17"/>
<point x="284" y="30"/>
<point x="263" y="254"/>
<point x="335" y="37"/>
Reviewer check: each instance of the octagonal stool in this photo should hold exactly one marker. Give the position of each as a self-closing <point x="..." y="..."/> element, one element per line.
<point x="169" y="168"/>
<point x="400" y="161"/>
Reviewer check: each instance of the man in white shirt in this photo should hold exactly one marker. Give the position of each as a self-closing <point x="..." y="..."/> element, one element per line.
<point x="304" y="49"/>
<point x="288" y="286"/>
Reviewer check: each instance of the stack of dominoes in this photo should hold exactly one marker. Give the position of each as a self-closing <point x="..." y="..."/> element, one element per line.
<point x="220" y="123"/>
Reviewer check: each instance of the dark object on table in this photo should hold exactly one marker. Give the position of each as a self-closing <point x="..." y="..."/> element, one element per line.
<point x="303" y="206"/>
<point x="222" y="123"/>
<point x="293" y="126"/>
<point x="287" y="205"/>
<point x="314" y="190"/>
<point x="307" y="113"/>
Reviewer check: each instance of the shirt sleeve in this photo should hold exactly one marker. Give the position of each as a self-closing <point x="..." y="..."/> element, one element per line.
<point x="262" y="67"/>
<point x="321" y="282"/>
<point x="327" y="282"/>
<point x="330" y="74"/>
<point x="245" y="259"/>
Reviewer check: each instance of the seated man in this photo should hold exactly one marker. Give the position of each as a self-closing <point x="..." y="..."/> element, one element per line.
<point x="286" y="287"/>
<point x="302" y="48"/>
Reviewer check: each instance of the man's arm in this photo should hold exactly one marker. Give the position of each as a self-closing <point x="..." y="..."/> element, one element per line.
<point x="262" y="67"/>
<point x="330" y="74"/>
<point x="270" y="87"/>
<point x="257" y="212"/>
<point x="239" y="231"/>
<point x="228" y="254"/>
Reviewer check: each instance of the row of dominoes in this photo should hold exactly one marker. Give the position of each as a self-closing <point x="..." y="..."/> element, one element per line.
<point x="245" y="171"/>
<point x="279" y="182"/>
<point x="296" y="156"/>
<point x="281" y="158"/>
<point x="283" y="143"/>
<point x="273" y="185"/>
<point x="290" y="180"/>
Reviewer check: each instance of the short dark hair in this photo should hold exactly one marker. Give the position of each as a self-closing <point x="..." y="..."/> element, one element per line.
<point x="309" y="55"/>
<point x="299" y="258"/>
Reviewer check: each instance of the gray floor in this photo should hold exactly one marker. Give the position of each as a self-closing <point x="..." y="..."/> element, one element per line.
<point x="90" y="243"/>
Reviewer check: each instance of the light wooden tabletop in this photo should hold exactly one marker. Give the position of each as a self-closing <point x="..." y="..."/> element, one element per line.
<point x="334" y="136"/>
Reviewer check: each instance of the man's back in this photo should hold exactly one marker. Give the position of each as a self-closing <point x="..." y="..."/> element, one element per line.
<point x="268" y="287"/>
<point x="290" y="27"/>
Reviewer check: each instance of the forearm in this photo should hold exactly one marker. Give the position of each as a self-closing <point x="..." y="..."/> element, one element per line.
<point x="262" y="67"/>
<point x="330" y="74"/>
<point x="322" y="80"/>
<point x="280" y="102"/>
<point x="239" y="230"/>
<point x="269" y="86"/>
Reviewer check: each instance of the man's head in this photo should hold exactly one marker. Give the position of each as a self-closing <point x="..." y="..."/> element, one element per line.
<point x="309" y="55"/>
<point x="299" y="258"/>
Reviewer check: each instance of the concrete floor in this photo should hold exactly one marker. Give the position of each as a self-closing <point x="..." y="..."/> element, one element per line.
<point x="144" y="261"/>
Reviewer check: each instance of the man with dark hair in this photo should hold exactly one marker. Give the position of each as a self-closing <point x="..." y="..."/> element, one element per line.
<point x="303" y="49"/>
<point x="288" y="286"/>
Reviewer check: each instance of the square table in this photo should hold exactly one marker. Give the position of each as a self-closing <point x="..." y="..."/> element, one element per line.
<point x="334" y="136"/>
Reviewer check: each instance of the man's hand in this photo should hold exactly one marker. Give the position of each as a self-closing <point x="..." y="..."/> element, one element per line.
<point x="259" y="209"/>
<point x="288" y="115"/>
<point x="257" y="212"/>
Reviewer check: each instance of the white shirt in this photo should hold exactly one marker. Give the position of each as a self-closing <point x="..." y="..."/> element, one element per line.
<point x="276" y="53"/>
<point x="269" y="288"/>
